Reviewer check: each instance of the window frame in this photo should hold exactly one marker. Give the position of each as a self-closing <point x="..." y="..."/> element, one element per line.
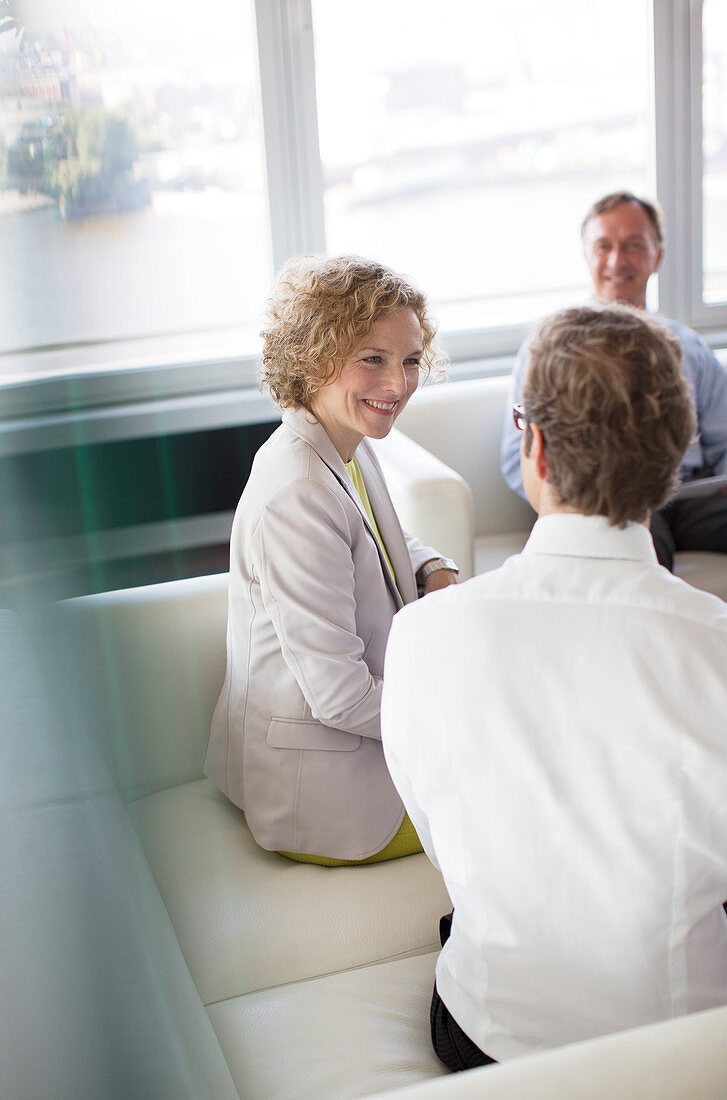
<point x="678" y="75"/>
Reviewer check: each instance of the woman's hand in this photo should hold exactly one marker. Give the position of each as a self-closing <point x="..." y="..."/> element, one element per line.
<point x="440" y="578"/>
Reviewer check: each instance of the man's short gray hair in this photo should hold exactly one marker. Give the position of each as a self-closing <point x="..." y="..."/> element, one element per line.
<point x="616" y="198"/>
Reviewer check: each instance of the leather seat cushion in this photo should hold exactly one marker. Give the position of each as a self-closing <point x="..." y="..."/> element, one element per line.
<point x="350" y="1034"/>
<point x="248" y="919"/>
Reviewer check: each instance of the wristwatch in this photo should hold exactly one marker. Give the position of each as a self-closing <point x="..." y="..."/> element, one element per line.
<point x="434" y="566"/>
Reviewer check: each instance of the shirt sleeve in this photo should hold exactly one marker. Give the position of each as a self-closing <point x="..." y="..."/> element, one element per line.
<point x="710" y="394"/>
<point x="306" y="573"/>
<point x="510" y="443"/>
<point x="419" y="553"/>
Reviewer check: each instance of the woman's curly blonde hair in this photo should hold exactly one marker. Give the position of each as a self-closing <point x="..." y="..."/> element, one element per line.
<point x="320" y="311"/>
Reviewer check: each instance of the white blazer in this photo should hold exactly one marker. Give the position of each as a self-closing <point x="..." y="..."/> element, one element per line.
<point x="295" y="738"/>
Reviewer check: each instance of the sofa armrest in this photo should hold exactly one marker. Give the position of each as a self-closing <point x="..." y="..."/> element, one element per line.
<point x="433" y="502"/>
<point x="461" y="423"/>
<point x="672" y="1059"/>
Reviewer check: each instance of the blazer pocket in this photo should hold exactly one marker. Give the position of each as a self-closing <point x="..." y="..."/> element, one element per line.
<point x="297" y="733"/>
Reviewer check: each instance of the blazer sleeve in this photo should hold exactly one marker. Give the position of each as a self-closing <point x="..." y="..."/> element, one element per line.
<point x="303" y="557"/>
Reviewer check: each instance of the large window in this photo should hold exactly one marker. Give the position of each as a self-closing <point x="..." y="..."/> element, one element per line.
<point x="161" y="158"/>
<point x="133" y="201"/>
<point x="463" y="142"/>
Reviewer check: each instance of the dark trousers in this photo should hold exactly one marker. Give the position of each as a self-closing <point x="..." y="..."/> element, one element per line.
<point x="699" y="524"/>
<point x="453" y="1048"/>
<point x="451" y="1045"/>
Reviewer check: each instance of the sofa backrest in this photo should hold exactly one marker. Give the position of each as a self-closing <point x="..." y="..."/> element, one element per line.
<point x="461" y="423"/>
<point x="97" y="999"/>
<point x="149" y="663"/>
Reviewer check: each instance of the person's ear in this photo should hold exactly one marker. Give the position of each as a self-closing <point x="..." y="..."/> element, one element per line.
<point x="659" y="258"/>
<point x="537" y="453"/>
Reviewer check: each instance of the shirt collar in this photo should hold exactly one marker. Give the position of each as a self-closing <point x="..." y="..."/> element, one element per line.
<point x="576" y="535"/>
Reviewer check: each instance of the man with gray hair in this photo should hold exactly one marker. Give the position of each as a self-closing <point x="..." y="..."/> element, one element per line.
<point x="623" y="241"/>
<point x="566" y="767"/>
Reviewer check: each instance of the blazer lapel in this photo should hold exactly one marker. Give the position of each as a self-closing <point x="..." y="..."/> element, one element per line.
<point x="403" y="589"/>
<point x="388" y="523"/>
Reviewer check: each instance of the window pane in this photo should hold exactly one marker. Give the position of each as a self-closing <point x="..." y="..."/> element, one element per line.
<point x="131" y="174"/>
<point x="463" y="142"/>
<point x="715" y="150"/>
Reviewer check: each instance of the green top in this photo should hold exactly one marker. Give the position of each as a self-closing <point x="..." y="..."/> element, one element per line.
<point x="358" y="483"/>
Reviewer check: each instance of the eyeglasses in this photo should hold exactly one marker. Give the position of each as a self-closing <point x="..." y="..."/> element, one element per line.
<point x="519" y="418"/>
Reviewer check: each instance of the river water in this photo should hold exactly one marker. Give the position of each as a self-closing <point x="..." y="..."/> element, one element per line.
<point x="191" y="261"/>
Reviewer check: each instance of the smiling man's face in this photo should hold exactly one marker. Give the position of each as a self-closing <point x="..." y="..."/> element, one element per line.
<point x="622" y="254"/>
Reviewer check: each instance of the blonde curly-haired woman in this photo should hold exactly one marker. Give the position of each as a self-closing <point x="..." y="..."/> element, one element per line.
<point x="319" y="566"/>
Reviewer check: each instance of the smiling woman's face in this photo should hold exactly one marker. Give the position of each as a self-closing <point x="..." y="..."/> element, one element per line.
<point x="373" y="386"/>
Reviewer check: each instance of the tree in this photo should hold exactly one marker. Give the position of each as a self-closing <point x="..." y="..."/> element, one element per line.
<point x="90" y="156"/>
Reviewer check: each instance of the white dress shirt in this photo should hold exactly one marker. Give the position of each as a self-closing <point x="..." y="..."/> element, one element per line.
<point x="566" y="768"/>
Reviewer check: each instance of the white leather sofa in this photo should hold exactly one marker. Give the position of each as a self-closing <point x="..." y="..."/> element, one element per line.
<point x="254" y="976"/>
<point x="457" y="428"/>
